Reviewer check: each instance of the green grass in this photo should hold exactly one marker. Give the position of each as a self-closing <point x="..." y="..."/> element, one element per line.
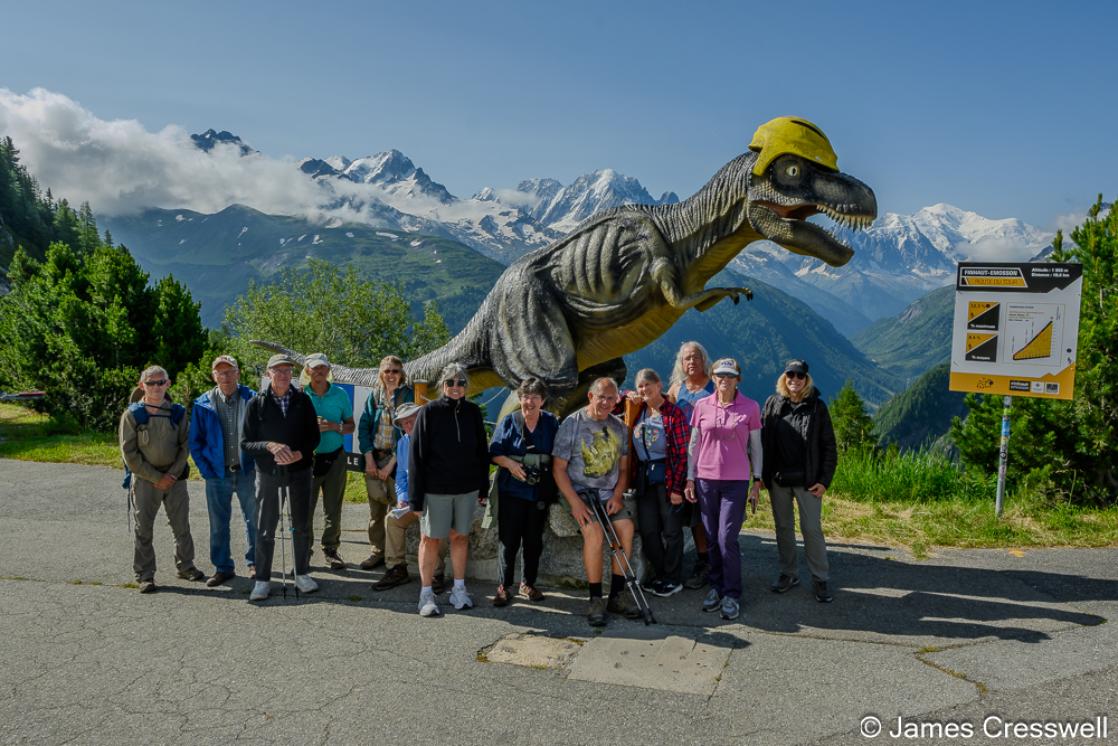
<point x="29" y="436"/>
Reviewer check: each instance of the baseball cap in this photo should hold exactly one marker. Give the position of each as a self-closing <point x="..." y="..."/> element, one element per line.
<point x="227" y="359"/>
<point x="280" y="359"/>
<point x="796" y="366"/>
<point x="317" y="360"/>
<point x="726" y="365"/>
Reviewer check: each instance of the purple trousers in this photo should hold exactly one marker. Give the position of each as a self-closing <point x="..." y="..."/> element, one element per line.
<point x="722" y="502"/>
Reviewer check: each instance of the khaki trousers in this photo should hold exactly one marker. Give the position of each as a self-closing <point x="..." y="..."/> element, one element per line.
<point x="381" y="494"/>
<point x="145" y="504"/>
<point x="396" y="540"/>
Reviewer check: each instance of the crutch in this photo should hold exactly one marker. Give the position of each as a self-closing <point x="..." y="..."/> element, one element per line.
<point x="616" y="550"/>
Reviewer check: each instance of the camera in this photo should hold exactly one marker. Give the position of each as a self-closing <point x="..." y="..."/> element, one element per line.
<point x="531" y="474"/>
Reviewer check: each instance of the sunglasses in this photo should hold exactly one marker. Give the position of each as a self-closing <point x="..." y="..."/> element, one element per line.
<point x="393" y="372"/>
<point x="160" y="382"/>
<point x="455" y="382"/>
<point x="794" y="374"/>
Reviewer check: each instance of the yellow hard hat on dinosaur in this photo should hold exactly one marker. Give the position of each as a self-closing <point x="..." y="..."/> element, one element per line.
<point x="794" y="135"/>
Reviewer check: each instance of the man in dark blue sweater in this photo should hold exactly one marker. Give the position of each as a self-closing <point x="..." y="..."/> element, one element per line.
<point x="281" y="433"/>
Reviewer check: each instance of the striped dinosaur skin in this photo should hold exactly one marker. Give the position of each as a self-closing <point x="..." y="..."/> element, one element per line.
<point x="568" y="312"/>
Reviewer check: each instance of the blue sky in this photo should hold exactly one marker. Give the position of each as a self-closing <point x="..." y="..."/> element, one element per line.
<point x="992" y="107"/>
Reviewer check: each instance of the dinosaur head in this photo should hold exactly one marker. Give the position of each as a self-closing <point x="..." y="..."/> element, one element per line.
<point x="794" y="176"/>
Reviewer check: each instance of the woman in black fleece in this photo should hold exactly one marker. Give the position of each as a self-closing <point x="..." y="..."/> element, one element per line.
<point x="448" y="474"/>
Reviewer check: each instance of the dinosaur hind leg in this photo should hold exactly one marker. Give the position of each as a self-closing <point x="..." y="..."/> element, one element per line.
<point x="529" y="335"/>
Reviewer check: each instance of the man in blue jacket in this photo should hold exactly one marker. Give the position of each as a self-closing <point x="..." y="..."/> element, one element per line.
<point x="215" y="443"/>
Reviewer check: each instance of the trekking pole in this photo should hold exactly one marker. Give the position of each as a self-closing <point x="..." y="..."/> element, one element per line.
<point x="291" y="528"/>
<point x="283" y="540"/>
<point x="617" y="551"/>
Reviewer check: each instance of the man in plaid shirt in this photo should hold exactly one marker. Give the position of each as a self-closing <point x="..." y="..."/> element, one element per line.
<point x="660" y="435"/>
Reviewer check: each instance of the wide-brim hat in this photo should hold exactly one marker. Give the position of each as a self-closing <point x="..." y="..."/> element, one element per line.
<point x="406" y="410"/>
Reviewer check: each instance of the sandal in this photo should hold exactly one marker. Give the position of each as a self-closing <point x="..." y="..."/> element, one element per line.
<point x="501" y="597"/>
<point x="531" y="593"/>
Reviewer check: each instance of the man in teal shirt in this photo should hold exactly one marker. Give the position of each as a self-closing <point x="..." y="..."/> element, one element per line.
<point x="335" y="419"/>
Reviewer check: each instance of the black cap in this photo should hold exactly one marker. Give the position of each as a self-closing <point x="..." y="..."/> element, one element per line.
<point x="796" y="366"/>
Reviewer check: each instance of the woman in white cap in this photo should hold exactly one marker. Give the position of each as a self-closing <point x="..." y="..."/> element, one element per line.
<point x="800" y="461"/>
<point x="723" y="472"/>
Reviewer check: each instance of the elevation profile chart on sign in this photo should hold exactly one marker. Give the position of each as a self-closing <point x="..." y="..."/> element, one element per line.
<point x="1015" y="328"/>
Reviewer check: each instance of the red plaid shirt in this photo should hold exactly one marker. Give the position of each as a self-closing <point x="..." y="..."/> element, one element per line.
<point x="677" y="434"/>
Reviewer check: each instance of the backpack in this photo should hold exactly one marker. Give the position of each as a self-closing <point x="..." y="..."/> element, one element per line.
<point x="141" y="415"/>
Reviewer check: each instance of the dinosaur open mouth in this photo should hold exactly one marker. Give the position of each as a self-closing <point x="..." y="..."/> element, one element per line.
<point x="844" y="215"/>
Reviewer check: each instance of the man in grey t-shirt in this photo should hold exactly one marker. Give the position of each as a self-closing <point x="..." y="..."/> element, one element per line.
<point x="590" y="461"/>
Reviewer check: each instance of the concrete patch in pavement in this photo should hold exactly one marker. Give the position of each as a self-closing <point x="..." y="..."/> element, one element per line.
<point x="672" y="664"/>
<point x="532" y="650"/>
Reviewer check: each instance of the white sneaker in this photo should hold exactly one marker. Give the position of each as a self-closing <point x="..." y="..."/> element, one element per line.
<point x="427" y="605"/>
<point x="460" y="600"/>
<point x="305" y="584"/>
<point x="260" y="590"/>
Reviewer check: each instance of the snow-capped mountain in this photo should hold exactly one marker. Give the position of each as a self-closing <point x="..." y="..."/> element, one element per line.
<point x="897" y="260"/>
<point x="561" y="207"/>
<point x="210" y="138"/>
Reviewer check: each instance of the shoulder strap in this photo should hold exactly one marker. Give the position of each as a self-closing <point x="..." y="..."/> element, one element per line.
<point x="177" y="413"/>
<point x="139" y="413"/>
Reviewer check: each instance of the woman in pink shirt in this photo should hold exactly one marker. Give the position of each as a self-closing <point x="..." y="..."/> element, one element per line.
<point x="723" y="471"/>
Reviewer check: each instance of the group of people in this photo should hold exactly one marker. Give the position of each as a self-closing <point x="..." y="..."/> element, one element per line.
<point x="660" y="463"/>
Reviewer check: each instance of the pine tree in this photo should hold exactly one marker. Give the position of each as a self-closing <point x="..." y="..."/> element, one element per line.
<point x="1069" y="448"/>
<point x="853" y="427"/>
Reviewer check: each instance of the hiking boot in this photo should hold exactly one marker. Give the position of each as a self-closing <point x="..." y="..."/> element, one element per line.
<point x="305" y="584"/>
<point x="395" y="576"/>
<point x="822" y="594"/>
<point x="730" y="608"/>
<point x="461" y="600"/>
<point x="698" y="577"/>
<point x="438" y="583"/>
<point x="218" y="578"/>
<point x="260" y="590"/>
<point x="784" y="584"/>
<point x="713" y="600"/>
<point x="665" y="588"/>
<point x="148" y="586"/>
<point x="427" y="605"/>
<point x="623" y="605"/>
<point x="501" y="597"/>
<point x="192" y="573"/>
<point x="531" y="593"/>
<point x="372" y="561"/>
<point x="333" y="559"/>
<point x="596" y="614"/>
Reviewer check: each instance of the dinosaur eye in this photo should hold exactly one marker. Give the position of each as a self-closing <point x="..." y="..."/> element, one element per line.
<point x="793" y="170"/>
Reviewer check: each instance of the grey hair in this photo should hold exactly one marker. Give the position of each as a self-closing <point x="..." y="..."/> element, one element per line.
<point x="452" y="371"/>
<point x="678" y="376"/>
<point x="152" y="370"/>
<point x="600" y="383"/>
<point x="647" y="375"/>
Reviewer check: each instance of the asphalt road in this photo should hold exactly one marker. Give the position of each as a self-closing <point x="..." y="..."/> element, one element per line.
<point x="961" y="637"/>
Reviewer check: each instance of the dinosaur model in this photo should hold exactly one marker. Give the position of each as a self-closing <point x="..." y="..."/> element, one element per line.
<point x="566" y="313"/>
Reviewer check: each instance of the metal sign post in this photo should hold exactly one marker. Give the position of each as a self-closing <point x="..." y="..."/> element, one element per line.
<point x="1003" y="455"/>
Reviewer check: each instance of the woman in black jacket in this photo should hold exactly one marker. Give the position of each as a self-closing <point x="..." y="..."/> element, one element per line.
<point x="800" y="458"/>
<point x="448" y="474"/>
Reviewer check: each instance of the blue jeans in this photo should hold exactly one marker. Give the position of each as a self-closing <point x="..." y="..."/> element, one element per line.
<point x="219" y="500"/>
